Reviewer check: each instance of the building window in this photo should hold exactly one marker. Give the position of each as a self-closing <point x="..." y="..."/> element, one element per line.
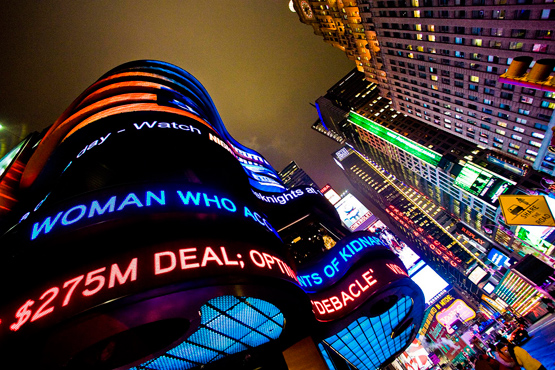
<point x="488" y="91"/>
<point x="524" y="111"/>
<point x="528" y="151"/>
<point x="521" y="120"/>
<point x="539" y="48"/>
<point x="506" y="95"/>
<point x="514" y="146"/>
<point x="499" y="146"/>
<point x="516" y="137"/>
<point x="546" y="104"/>
<point x="538" y="135"/>
<point x="519" y="129"/>
<point x="526" y="100"/>
<point x="535" y="143"/>
<point x="540" y="126"/>
<point x="474" y="78"/>
<point x="512" y="151"/>
<point x="500" y="132"/>
<point x="497" y="139"/>
<point x="504" y="106"/>
<point x="517" y="45"/>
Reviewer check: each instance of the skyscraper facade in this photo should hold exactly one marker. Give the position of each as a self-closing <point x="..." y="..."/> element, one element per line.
<point x="440" y="61"/>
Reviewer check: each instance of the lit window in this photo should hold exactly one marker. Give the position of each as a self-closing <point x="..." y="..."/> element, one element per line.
<point x="433" y="77"/>
<point x="524" y="111"/>
<point x="521" y="120"/>
<point x="432" y="38"/>
<point x="477" y="42"/>
<point x="539" y="48"/>
<point x="516" y="45"/>
<point x="502" y="124"/>
<point x="528" y="151"/>
<point x="535" y="143"/>
<point x="418" y="27"/>
<point x="538" y="135"/>
<point x="500" y="132"/>
<point x="416" y="13"/>
<point x="514" y="146"/>
<point x="546" y="104"/>
<point x="434" y="87"/>
<point x="419" y="36"/>
<point x="526" y="100"/>
<point x="518" y="129"/>
<point x="516" y="137"/>
<point x="474" y="78"/>
<point x="512" y="151"/>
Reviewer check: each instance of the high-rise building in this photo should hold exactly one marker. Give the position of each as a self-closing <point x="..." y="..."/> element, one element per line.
<point x="440" y="61"/>
<point x="136" y="233"/>
<point x="462" y="178"/>
<point x="292" y="175"/>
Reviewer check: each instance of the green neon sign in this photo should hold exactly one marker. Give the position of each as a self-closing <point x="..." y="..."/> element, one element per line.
<point x="396" y="139"/>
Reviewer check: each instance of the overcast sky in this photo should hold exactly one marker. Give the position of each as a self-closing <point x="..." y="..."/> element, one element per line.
<point x="260" y="64"/>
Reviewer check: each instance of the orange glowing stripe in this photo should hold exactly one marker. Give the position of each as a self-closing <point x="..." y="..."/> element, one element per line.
<point x="101" y="105"/>
<point x="125" y="85"/>
<point x="7" y="197"/>
<point x="151" y="107"/>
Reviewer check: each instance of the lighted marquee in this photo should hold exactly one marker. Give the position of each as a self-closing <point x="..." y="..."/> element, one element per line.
<point x="352" y="212"/>
<point x="482" y="183"/>
<point x="396" y="139"/>
<point x="338" y="260"/>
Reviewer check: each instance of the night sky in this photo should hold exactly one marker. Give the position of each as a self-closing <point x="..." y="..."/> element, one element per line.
<point x="260" y="64"/>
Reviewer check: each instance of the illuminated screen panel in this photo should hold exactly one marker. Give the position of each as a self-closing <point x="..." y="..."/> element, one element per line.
<point x="430" y="282"/>
<point x="352" y="212"/>
<point x="499" y="259"/>
<point x="537" y="236"/>
<point x="332" y="196"/>
<point x="482" y="183"/>
<point x="477" y="275"/>
<point x="228" y="325"/>
<point x="489" y="288"/>
<point x="396" y="139"/>
<point x="366" y="343"/>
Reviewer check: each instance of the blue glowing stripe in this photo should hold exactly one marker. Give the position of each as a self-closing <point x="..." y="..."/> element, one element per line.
<point x="326" y="357"/>
<point x="366" y="343"/>
<point x="229" y="325"/>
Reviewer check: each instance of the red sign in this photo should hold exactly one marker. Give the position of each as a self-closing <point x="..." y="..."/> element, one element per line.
<point x="354" y="289"/>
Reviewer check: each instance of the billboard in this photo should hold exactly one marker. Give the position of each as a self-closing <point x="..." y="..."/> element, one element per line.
<point x="482" y="183"/>
<point x="352" y="212"/>
<point x="396" y="139"/>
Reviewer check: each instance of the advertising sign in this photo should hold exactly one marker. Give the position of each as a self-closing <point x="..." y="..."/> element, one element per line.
<point x="482" y="183"/>
<point x="352" y="212"/>
<point x="396" y="139"/>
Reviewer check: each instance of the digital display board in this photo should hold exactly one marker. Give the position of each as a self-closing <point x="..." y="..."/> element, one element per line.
<point x="330" y="194"/>
<point x="499" y="259"/>
<point x="430" y="282"/>
<point x="396" y="139"/>
<point x="538" y="236"/>
<point x="352" y="212"/>
<point x="477" y="275"/>
<point x="482" y="183"/>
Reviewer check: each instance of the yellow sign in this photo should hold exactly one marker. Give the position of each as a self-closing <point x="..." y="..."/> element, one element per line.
<point x="526" y="210"/>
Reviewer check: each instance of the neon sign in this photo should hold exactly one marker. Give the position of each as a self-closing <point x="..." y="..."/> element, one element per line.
<point x="290" y="195"/>
<point x="396" y="139"/>
<point x="144" y="201"/>
<point x="355" y="289"/>
<point x="458" y="310"/>
<point x="148" y="270"/>
<point x="338" y="260"/>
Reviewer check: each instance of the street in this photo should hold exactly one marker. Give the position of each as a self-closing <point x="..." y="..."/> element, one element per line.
<point x="542" y="344"/>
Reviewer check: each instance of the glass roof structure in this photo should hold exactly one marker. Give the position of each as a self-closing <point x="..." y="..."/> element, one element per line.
<point x="366" y="343"/>
<point x="229" y="325"/>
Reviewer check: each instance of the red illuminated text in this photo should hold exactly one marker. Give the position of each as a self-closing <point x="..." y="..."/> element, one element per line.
<point x="335" y="303"/>
<point x="95" y="281"/>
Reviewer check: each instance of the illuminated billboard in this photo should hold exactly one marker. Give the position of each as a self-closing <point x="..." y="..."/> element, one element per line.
<point x="396" y="139"/>
<point x="330" y="194"/>
<point x="482" y="183"/>
<point x="352" y="212"/>
<point x="430" y="282"/>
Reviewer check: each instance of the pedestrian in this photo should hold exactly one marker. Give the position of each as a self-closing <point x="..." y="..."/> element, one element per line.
<point x="505" y="360"/>
<point x="520" y="356"/>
